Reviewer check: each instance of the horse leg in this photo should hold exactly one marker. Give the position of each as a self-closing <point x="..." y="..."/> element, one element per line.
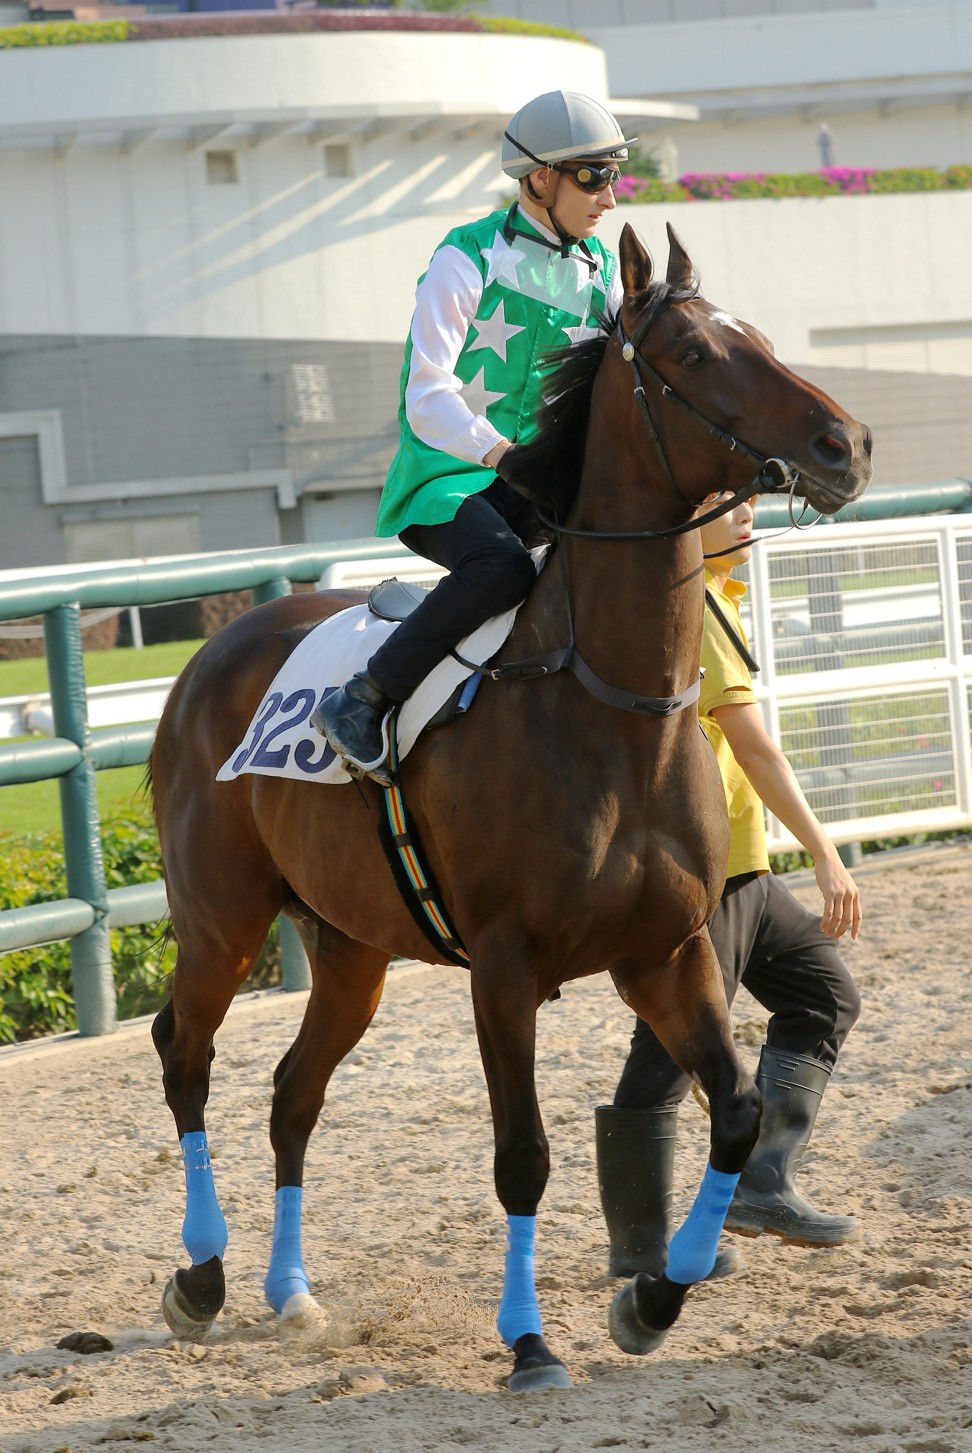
<point x="348" y="978"/>
<point x="207" y="975"/>
<point x="684" y="1002"/>
<point x="505" y="1004"/>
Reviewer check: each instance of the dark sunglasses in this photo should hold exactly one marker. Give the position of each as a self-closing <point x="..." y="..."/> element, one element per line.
<point x="592" y="178"/>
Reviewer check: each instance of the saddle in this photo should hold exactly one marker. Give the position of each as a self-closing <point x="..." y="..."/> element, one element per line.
<point x="394" y="600"/>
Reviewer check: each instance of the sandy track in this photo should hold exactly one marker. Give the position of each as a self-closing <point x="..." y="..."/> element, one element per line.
<point x="865" y="1347"/>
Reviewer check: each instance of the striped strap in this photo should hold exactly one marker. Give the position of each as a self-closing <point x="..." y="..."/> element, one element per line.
<point x="435" y="920"/>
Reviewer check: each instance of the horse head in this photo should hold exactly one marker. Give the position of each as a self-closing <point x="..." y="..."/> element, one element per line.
<point x="705" y="375"/>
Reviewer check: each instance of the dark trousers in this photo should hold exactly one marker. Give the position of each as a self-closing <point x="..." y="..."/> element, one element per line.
<point x="766" y="940"/>
<point x="490" y="572"/>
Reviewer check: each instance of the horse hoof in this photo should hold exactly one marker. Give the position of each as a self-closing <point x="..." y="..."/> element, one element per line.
<point x="532" y="1379"/>
<point x="300" y="1311"/>
<point x="535" y="1366"/>
<point x="178" y="1315"/>
<point x="628" y="1330"/>
<point x="727" y="1263"/>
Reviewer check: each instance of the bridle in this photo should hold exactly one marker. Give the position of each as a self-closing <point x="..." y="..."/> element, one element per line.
<point x="773" y="476"/>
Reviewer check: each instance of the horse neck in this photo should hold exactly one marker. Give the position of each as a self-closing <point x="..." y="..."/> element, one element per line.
<point x="637" y="604"/>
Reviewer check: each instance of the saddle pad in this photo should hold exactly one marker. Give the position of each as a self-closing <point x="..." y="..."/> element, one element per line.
<point x="280" y="741"/>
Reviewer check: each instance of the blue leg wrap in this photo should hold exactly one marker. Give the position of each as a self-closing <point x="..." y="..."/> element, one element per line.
<point x="518" y="1310"/>
<point x="286" y="1275"/>
<point x="204" y="1229"/>
<point x="692" y="1253"/>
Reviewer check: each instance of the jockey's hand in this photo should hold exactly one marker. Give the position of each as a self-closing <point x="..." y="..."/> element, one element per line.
<point x="507" y="468"/>
<point x="841" y="896"/>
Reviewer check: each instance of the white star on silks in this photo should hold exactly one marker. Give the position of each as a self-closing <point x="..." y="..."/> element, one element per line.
<point x="581" y="333"/>
<point x="495" y="332"/>
<point x="477" y="396"/>
<point x="502" y="261"/>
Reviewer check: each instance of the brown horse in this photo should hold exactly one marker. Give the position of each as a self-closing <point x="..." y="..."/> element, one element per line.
<point x="570" y="836"/>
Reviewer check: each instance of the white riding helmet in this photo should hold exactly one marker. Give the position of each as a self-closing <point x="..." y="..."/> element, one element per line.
<point x="557" y="126"/>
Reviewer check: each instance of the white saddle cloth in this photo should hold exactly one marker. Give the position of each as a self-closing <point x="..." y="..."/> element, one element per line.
<point x="280" y="741"/>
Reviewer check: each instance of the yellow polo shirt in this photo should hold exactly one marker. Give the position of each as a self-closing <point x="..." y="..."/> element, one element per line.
<point x="727" y="682"/>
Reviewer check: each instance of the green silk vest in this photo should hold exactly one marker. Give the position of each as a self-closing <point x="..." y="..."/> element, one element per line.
<point x="533" y="301"/>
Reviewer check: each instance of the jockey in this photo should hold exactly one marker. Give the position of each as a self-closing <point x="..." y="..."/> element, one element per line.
<point x="498" y="296"/>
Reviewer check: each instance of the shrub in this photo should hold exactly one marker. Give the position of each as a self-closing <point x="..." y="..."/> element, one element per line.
<point x="649" y="189"/>
<point x="907" y="179"/>
<point x="35" y="984"/>
<point x="507" y="25"/>
<point x="831" y="182"/>
<point x="62" y="32"/>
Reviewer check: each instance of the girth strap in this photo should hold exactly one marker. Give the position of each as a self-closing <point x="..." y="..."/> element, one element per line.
<point x="415" y="882"/>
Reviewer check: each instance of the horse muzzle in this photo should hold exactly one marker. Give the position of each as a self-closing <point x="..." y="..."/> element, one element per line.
<point x="838" y="470"/>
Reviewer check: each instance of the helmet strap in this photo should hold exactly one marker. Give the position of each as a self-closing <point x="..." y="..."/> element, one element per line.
<point x="548" y="203"/>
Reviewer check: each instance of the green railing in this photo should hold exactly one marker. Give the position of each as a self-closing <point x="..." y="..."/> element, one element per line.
<point x="888" y="502"/>
<point x="74" y="754"/>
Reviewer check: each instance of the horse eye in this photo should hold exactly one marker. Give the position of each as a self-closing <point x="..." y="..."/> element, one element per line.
<point x="692" y="359"/>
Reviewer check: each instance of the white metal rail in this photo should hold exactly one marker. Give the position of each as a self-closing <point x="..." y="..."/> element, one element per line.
<point x="864" y="638"/>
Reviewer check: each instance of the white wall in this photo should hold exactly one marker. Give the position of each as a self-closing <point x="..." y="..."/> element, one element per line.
<point x="142" y="81"/>
<point x="894" y="84"/>
<point x="931" y="39"/>
<point x="108" y="224"/>
<point x="98" y="243"/>
<point x="876" y="268"/>
<point x="927" y="136"/>
<point x="893" y="80"/>
<point x="104" y="241"/>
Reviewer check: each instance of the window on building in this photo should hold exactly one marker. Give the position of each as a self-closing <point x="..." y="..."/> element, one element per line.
<point x="338" y="161"/>
<point x="221" y="168"/>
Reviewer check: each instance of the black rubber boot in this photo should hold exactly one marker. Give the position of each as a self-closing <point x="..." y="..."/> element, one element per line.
<point x="635" y="1158"/>
<point x="766" y="1198"/>
<point x="351" y="719"/>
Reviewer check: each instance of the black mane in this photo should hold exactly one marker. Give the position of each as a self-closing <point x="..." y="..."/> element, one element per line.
<point x="548" y="469"/>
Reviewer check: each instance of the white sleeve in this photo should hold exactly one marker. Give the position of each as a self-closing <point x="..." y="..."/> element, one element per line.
<point x="615" y="293"/>
<point x="445" y="306"/>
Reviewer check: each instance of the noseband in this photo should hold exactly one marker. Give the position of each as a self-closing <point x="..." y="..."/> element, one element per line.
<point x="773" y="476"/>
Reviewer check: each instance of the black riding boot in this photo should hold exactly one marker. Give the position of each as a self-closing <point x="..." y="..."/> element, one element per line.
<point x="766" y="1198"/>
<point x="351" y="719"/>
<point x="635" y="1157"/>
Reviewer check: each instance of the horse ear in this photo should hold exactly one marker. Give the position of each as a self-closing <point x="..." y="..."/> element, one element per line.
<point x="636" y="263"/>
<point x="681" y="273"/>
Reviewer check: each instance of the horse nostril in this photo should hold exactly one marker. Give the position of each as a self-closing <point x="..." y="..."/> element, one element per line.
<point x="868" y="440"/>
<point x="832" y="449"/>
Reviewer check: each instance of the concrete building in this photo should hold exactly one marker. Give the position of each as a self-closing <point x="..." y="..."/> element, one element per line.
<point x="208" y="254"/>
<point x="209" y="246"/>
<point x="890" y="79"/>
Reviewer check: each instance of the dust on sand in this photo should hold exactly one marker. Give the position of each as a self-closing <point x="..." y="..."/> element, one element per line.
<point x="863" y="1347"/>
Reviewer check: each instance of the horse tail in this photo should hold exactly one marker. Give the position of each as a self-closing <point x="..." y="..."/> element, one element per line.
<point x="146" y="787"/>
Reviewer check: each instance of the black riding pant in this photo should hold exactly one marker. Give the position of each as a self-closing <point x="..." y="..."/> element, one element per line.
<point x="490" y="572"/>
<point x="766" y="940"/>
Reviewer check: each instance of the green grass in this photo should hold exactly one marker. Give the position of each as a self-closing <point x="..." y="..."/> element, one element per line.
<point x="102" y="668"/>
<point x="35" y="806"/>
